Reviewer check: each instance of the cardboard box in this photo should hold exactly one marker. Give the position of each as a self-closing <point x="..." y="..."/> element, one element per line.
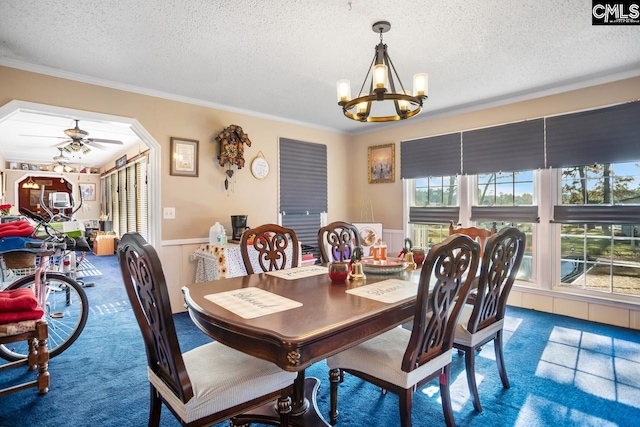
<point x="104" y="245"/>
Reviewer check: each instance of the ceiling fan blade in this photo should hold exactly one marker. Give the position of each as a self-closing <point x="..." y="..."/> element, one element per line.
<point x="104" y="141"/>
<point x="46" y="136"/>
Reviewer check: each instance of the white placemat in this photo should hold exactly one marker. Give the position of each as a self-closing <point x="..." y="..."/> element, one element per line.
<point x="250" y="303"/>
<point x="300" y="272"/>
<point x="387" y="291"/>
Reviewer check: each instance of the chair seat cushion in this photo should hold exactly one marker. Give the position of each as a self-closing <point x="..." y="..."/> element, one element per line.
<point x="17" y="328"/>
<point x="21" y="299"/>
<point x="381" y="357"/>
<point x="222" y="377"/>
<point x="464" y="337"/>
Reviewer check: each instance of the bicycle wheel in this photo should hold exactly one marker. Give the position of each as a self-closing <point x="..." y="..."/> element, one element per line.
<point x="66" y="311"/>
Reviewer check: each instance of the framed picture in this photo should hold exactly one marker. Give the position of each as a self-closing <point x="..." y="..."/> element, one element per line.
<point x="381" y="163"/>
<point x="88" y="191"/>
<point x="184" y="157"/>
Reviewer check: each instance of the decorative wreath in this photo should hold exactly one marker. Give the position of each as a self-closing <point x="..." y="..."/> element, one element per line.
<point x="232" y="140"/>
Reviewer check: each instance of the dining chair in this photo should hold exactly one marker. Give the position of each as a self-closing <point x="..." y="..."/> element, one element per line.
<point x="479" y="234"/>
<point x="337" y="240"/>
<point x="277" y="248"/>
<point x="21" y="320"/>
<point x="401" y="360"/>
<point x="203" y="386"/>
<point x="484" y="320"/>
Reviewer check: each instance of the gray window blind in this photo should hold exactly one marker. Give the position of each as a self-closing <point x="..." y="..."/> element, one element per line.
<point x="303" y="177"/>
<point x="607" y="135"/>
<point x="306" y="228"/>
<point x="433" y="156"/>
<point x="597" y="214"/>
<point x="434" y="215"/>
<point x="506" y="148"/>
<point x="505" y="213"/>
<point x="303" y="189"/>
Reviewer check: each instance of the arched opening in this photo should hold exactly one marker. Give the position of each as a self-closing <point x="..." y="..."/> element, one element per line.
<point x="153" y="170"/>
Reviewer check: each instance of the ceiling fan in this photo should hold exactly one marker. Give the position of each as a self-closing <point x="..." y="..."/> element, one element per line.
<point x="79" y="141"/>
<point x="61" y="162"/>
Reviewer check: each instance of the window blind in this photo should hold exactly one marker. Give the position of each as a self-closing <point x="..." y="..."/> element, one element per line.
<point x="122" y="199"/>
<point x="303" y="188"/>
<point x="506" y="148"/>
<point x="433" y="156"/>
<point x="505" y="213"/>
<point x="142" y="198"/>
<point x="132" y="212"/>
<point x="596" y="214"/>
<point x="303" y="177"/>
<point x="434" y="215"/>
<point x="607" y="135"/>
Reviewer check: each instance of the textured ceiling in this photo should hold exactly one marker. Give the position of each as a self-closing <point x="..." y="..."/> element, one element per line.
<point x="281" y="59"/>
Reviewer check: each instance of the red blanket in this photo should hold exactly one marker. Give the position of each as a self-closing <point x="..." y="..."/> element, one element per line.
<point x="17" y="300"/>
<point x="18" y="316"/>
<point x="16" y="228"/>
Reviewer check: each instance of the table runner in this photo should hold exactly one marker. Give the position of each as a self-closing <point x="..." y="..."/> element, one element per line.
<point x="251" y="302"/>
<point x="387" y="291"/>
<point x="300" y="272"/>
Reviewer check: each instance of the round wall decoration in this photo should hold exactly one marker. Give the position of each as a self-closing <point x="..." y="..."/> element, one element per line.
<point x="260" y="167"/>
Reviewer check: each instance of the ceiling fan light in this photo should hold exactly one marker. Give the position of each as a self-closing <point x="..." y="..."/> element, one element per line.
<point x="58" y="168"/>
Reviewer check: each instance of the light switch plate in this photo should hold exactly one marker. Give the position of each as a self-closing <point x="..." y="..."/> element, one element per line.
<point x="169" y="213"/>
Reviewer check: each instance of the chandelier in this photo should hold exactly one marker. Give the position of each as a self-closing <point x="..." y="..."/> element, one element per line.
<point x="31" y="184"/>
<point x="383" y="88"/>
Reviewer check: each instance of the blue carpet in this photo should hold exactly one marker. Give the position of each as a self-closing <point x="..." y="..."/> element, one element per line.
<point x="563" y="371"/>
<point x="87" y="269"/>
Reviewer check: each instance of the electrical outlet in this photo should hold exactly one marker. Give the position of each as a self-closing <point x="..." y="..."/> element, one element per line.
<point x="169" y="213"/>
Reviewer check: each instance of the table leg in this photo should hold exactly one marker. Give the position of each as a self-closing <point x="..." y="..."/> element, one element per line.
<point x="304" y="411"/>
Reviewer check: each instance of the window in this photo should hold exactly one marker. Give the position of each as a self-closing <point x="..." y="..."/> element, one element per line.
<point x="429" y="214"/>
<point x="582" y="222"/>
<point x="599" y="254"/>
<point x="505" y="189"/>
<point x="436" y="191"/>
<point x="125" y="198"/>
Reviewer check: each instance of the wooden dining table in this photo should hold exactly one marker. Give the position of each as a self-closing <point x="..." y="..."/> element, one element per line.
<point x="329" y="320"/>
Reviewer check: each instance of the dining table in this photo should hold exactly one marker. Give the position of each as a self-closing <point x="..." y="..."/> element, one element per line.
<point x="297" y="317"/>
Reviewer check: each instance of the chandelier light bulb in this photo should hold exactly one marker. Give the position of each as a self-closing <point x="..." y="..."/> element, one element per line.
<point x="420" y="84"/>
<point x="380" y="76"/>
<point x="344" y="90"/>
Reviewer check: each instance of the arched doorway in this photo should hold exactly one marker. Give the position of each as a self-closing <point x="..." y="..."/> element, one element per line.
<point x="153" y="171"/>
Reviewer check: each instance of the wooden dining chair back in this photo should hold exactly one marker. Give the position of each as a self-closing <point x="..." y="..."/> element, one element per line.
<point x="484" y="320"/>
<point x="36" y="333"/>
<point x="337" y="240"/>
<point x="277" y="248"/>
<point x="478" y="234"/>
<point x="400" y="360"/>
<point x="206" y="385"/>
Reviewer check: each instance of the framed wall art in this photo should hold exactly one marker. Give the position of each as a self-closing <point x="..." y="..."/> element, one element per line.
<point x="88" y="191"/>
<point x="184" y="157"/>
<point x="381" y="162"/>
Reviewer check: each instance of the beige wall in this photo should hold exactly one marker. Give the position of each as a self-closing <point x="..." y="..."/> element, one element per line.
<point x="200" y="201"/>
<point x="387" y="198"/>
